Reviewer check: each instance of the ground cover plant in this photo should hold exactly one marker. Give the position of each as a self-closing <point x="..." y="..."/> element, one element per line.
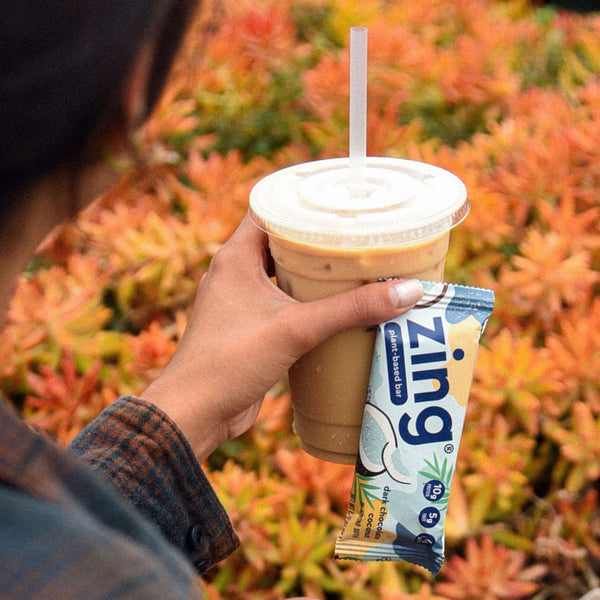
<point x="504" y="93"/>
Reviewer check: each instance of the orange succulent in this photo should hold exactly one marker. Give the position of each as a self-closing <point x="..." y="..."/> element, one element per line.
<point x="62" y="403"/>
<point x="580" y="518"/>
<point x="575" y="349"/>
<point x="580" y="445"/>
<point x="327" y="484"/>
<point x="216" y="199"/>
<point x="58" y="308"/>
<point x="546" y="277"/>
<point x="270" y="431"/>
<point x="146" y="354"/>
<point x="493" y="468"/>
<point x="425" y="593"/>
<point x="579" y="224"/>
<point x="256" y="504"/>
<point x="488" y="572"/>
<point x="514" y="377"/>
<point x="567" y="540"/>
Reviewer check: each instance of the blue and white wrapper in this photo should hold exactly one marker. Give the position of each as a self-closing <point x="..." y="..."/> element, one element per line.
<point x="421" y="376"/>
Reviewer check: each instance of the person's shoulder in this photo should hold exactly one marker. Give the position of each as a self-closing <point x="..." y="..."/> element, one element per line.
<point x="53" y="551"/>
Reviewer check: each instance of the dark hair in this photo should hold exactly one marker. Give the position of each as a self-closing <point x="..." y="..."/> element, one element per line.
<point x="62" y="68"/>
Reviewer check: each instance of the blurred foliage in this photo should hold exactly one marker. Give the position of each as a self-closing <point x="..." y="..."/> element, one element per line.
<point x="503" y="93"/>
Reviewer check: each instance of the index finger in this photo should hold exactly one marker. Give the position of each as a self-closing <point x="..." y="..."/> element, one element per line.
<point x="250" y="243"/>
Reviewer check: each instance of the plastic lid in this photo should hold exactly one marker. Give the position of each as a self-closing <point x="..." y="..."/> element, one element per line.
<point x="397" y="202"/>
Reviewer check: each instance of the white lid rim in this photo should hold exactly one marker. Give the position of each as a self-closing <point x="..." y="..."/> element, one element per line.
<point x="376" y="239"/>
<point x="377" y="229"/>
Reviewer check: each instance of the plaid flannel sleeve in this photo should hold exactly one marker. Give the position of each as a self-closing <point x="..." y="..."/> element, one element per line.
<point x="141" y="453"/>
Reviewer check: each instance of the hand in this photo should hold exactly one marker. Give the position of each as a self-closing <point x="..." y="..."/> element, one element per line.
<point x="244" y="333"/>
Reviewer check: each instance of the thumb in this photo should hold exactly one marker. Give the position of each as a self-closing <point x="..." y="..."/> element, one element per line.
<point x="363" y="306"/>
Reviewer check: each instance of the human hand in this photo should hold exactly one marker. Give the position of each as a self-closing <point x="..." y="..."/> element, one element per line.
<point x="244" y="333"/>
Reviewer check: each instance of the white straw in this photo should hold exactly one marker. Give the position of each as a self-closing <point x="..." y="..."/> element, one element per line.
<point x="358" y="102"/>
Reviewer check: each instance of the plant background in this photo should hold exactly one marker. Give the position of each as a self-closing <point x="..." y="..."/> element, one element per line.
<point x="504" y="93"/>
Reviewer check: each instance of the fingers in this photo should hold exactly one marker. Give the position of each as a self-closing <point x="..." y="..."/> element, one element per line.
<point x="242" y="264"/>
<point x="364" y="306"/>
<point x="248" y="242"/>
<point x="371" y="304"/>
<point x="247" y="249"/>
<point x="405" y="294"/>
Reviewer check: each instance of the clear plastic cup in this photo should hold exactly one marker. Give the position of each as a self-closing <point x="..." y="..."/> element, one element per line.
<point x="329" y="232"/>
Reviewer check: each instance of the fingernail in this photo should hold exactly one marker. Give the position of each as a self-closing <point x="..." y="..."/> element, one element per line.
<point x="406" y="293"/>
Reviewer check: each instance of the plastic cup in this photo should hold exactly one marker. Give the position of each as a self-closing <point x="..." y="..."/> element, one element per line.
<point x="329" y="233"/>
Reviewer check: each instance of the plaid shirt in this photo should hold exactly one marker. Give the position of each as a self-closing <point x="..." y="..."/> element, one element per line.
<point x="65" y="534"/>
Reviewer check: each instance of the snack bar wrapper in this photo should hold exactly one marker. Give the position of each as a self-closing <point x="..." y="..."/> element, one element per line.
<point x="420" y="380"/>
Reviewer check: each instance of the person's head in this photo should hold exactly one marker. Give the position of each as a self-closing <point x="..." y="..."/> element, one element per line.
<point x="67" y="84"/>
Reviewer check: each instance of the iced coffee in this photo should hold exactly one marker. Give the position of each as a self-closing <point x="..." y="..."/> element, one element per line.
<point x="329" y="233"/>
